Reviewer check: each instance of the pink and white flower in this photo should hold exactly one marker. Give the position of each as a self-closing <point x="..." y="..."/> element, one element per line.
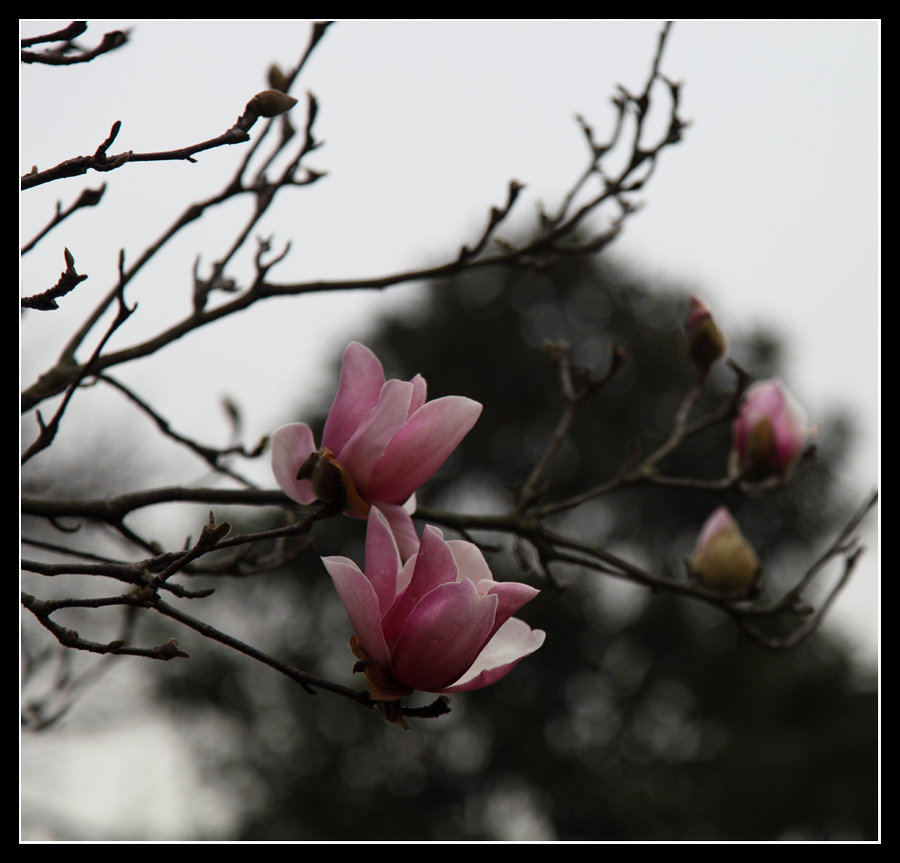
<point x="382" y="440"/>
<point x="439" y="622"/>
<point x="769" y="433"/>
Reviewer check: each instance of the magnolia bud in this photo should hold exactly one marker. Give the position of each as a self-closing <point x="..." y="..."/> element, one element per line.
<point x="271" y="103"/>
<point x="723" y="560"/>
<point x="705" y="342"/>
<point x="277" y="79"/>
<point x="769" y="433"/>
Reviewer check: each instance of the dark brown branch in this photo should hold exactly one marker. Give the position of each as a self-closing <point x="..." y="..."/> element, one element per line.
<point x="62" y="56"/>
<point x="285" y="82"/>
<point x="99" y="161"/>
<point x="261" y="105"/>
<point x="68" y="280"/>
<point x="645" y="471"/>
<point x="88" y="198"/>
<point x="48" y="431"/>
<point x="67" y="34"/>
<point x="613" y="188"/>
<point x="43" y="609"/>
<point x="56" y="379"/>
<point x="551" y="546"/>
<point x="212" y="456"/>
<point x="113" y="509"/>
<point x="265" y="195"/>
<point x="575" y="396"/>
<point x="145" y="596"/>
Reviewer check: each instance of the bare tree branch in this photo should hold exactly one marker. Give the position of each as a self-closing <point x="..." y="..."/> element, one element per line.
<point x="68" y="54"/>
<point x="88" y="198"/>
<point x="99" y="161"/>
<point x="68" y="280"/>
<point x="551" y="242"/>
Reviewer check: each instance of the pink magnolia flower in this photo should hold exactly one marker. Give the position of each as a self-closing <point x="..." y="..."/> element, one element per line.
<point x="769" y="433"/>
<point x="439" y="622"/>
<point x="382" y="440"/>
<point x="723" y="560"/>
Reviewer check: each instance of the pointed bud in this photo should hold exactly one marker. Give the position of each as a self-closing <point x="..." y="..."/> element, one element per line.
<point x="723" y="560"/>
<point x="277" y="79"/>
<point x="271" y="103"/>
<point x="705" y="342"/>
<point x="769" y="433"/>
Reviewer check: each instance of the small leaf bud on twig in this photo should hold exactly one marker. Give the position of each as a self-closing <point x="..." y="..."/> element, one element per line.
<point x="271" y="103"/>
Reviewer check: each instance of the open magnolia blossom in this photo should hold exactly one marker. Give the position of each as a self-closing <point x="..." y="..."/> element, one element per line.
<point x="769" y="433"/>
<point x="382" y="440"/>
<point x="438" y="623"/>
<point x="723" y="560"/>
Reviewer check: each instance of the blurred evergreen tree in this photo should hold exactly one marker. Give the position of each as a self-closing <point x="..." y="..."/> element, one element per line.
<point x="643" y="717"/>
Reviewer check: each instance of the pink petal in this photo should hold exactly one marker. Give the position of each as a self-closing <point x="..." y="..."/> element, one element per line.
<point x="382" y="559"/>
<point x="512" y="595"/>
<point x="420" y="394"/>
<point x="718" y="521"/>
<point x="291" y="446"/>
<point x="361" y="602"/>
<point x="421" y="447"/>
<point x="512" y="643"/>
<point x="402" y="527"/>
<point x="470" y="561"/>
<point x="769" y="401"/>
<point x="472" y="565"/>
<point x="790" y="428"/>
<point x="374" y="432"/>
<point x="434" y="565"/>
<point x="442" y="636"/>
<point x="362" y="378"/>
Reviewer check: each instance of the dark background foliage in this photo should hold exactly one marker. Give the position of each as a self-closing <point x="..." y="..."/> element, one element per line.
<point x="643" y="717"/>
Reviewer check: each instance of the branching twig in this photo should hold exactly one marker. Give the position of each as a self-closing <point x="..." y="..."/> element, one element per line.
<point x="551" y="546"/>
<point x="63" y="55"/>
<point x="68" y="280"/>
<point x="645" y="471"/>
<point x="88" y="198"/>
<point x="212" y="456"/>
<point x="67" y="34"/>
<point x="575" y="396"/>
<point x="551" y="241"/>
<point x="145" y="595"/>
<point x="99" y="161"/>
<point x="48" y="430"/>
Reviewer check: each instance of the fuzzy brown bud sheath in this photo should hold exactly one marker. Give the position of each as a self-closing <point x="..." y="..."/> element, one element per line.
<point x="271" y="103"/>
<point x="331" y="482"/>
<point x="705" y="342"/>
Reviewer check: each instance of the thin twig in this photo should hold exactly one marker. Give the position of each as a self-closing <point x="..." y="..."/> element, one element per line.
<point x="62" y="56"/>
<point x="88" y="198"/>
<point x="48" y="431"/>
